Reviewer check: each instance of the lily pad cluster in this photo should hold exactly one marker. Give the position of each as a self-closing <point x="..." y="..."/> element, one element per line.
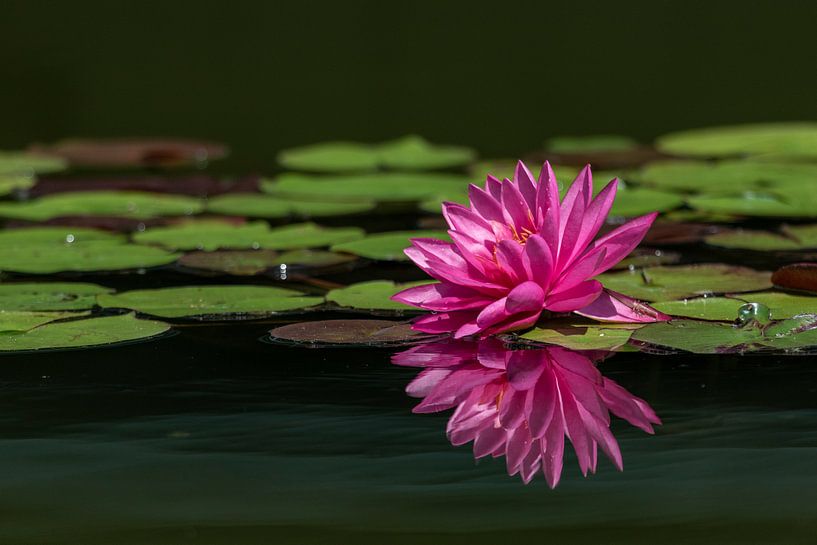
<point x="319" y="244"/>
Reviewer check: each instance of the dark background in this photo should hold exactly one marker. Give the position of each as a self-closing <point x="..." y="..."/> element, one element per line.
<point x="501" y="76"/>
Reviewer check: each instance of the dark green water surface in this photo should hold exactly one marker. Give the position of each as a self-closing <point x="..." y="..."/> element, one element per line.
<point x="210" y="436"/>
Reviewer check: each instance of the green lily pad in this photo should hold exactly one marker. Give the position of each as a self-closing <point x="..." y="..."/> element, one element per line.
<point x="631" y="202"/>
<point x="129" y="204"/>
<point x="714" y="337"/>
<point x="790" y="237"/>
<point x="46" y="250"/>
<point x="798" y="140"/>
<point x="407" y="153"/>
<point x="252" y="262"/>
<point x="646" y="257"/>
<point x="10" y="183"/>
<point x="256" y="205"/>
<point x="83" y="333"/>
<point x="371" y="295"/>
<point x="669" y="283"/>
<point x="210" y="302"/>
<point x="581" y="336"/>
<point x="386" y="246"/>
<point x="23" y="320"/>
<point x="49" y="296"/>
<point x="719" y="309"/>
<point x="596" y="142"/>
<point x="24" y="163"/>
<point x="213" y="235"/>
<point x="383" y="187"/>
<point x="782" y="305"/>
<point x="752" y="205"/>
<point x="415" y="153"/>
<point x="337" y="333"/>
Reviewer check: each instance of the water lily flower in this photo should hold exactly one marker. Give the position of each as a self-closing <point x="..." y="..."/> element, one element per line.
<point x="521" y="404"/>
<point x="518" y="251"/>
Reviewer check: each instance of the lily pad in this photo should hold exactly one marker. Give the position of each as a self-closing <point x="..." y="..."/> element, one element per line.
<point x="793" y="237"/>
<point x="719" y="309"/>
<point x="782" y="305"/>
<point x="407" y="153"/>
<point x="669" y="283"/>
<point x="49" y="296"/>
<point x="325" y="333"/>
<point x="752" y="205"/>
<point x="213" y="235"/>
<point x="28" y="164"/>
<point x="797" y="276"/>
<point x="46" y="250"/>
<point x="798" y="140"/>
<point x="371" y="295"/>
<point x="647" y="257"/>
<point x="382" y="187"/>
<point x="252" y="262"/>
<point x="581" y="336"/>
<point x="386" y="246"/>
<point x="134" y="152"/>
<point x="210" y="302"/>
<point x="596" y="142"/>
<point x="23" y="320"/>
<point x="196" y="185"/>
<point x="9" y="183"/>
<point x="102" y="203"/>
<point x="107" y="330"/>
<point x="267" y="206"/>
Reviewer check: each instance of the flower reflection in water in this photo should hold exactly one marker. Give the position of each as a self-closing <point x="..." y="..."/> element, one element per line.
<point x="522" y="403"/>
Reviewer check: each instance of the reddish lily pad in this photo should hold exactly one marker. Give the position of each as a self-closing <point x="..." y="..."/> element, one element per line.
<point x="197" y="185"/>
<point x="797" y="276"/>
<point x="327" y="333"/>
<point x="253" y="262"/>
<point x="133" y="152"/>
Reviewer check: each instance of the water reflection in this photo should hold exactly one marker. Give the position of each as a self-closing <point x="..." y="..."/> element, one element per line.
<point x="522" y="403"/>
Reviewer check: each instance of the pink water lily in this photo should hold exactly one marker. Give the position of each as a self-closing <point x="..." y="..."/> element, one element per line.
<point x="521" y="404"/>
<point x="518" y="251"/>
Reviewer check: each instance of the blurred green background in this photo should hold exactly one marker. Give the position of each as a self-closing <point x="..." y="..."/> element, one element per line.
<point x="499" y="76"/>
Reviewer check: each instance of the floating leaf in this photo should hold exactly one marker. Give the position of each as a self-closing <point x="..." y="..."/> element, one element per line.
<point x="782" y="305"/>
<point x="797" y="276"/>
<point x="267" y="206"/>
<point x="82" y="333"/>
<point x="386" y="246"/>
<point x="721" y="309"/>
<point x="28" y="164"/>
<point x="331" y="157"/>
<point x="386" y="187"/>
<point x="45" y="250"/>
<point x="668" y="283"/>
<point x="371" y="295"/>
<point x="665" y="233"/>
<point x="415" y="153"/>
<point x="10" y="183"/>
<point x="581" y="336"/>
<point x="780" y="139"/>
<point x="252" y="262"/>
<point x="211" y="302"/>
<point x="698" y="337"/>
<point x="348" y="333"/>
<point x="23" y="320"/>
<point x="407" y="153"/>
<point x="136" y="152"/>
<point x="596" y="142"/>
<point x="102" y="203"/>
<point x="753" y="205"/>
<point x="49" y="296"/>
<point x="197" y="185"/>
<point x="637" y="202"/>
<point x="647" y="257"/>
<point x="793" y="237"/>
<point x="214" y="234"/>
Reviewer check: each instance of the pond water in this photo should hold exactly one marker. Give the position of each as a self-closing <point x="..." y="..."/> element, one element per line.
<point x="210" y="436"/>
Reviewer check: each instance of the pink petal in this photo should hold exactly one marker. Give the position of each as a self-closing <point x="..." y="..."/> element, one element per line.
<point x="525" y="298"/>
<point x="553" y="448"/>
<point x="611" y="306"/>
<point x="442" y="297"/>
<point x="463" y="219"/>
<point x="516" y="211"/>
<point x="540" y="259"/>
<point x="488" y="440"/>
<point x="474" y="252"/>
<point x="427" y="380"/>
<point x="512" y="408"/>
<point x="547" y="208"/>
<point x="484" y="204"/>
<point x="527" y="187"/>
<point x="445" y="322"/>
<point x="594" y="217"/>
<point x="543" y="403"/>
<point x="493" y="313"/>
<point x="574" y="298"/>
<point x="518" y="447"/>
<point x="621" y="241"/>
<point x="516" y="323"/>
<point x="511" y="259"/>
<point x="581" y="270"/>
<point x="524" y="369"/>
<point x="626" y="406"/>
<point x="494" y="187"/>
